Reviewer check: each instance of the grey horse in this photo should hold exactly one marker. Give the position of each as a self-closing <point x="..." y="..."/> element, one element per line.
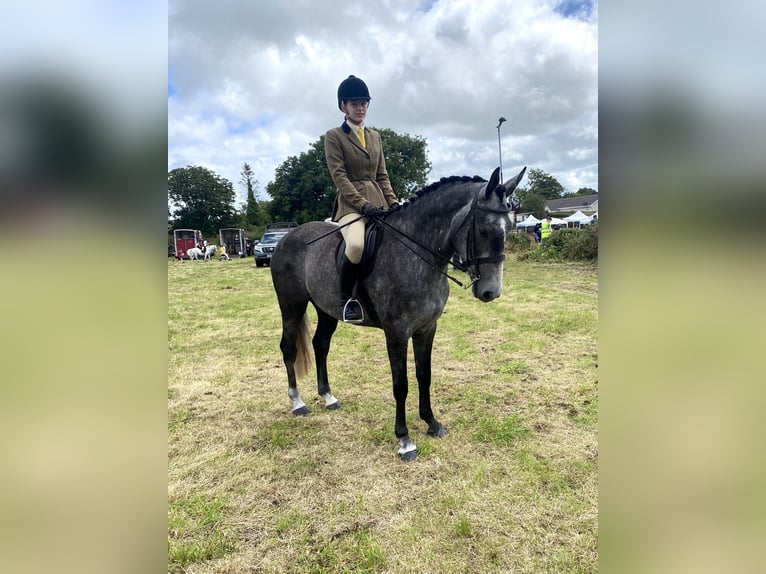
<point x="404" y="292"/>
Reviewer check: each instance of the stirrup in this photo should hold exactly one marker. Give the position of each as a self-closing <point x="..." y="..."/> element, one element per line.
<point x="346" y="307"/>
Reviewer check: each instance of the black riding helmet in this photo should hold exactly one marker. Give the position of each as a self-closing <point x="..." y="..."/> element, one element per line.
<point x="352" y="88"/>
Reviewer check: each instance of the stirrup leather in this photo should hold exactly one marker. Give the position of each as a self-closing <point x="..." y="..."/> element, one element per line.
<point x="361" y="312"/>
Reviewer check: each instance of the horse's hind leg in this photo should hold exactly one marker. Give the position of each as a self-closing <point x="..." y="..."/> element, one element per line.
<point x="325" y="328"/>
<point x="293" y="326"/>
<point x="422" y="346"/>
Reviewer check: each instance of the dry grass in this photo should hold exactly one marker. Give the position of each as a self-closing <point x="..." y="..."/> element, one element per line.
<point x="513" y="488"/>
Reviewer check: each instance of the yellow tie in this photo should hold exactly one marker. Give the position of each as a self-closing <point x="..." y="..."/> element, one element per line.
<point x="360" y="133"/>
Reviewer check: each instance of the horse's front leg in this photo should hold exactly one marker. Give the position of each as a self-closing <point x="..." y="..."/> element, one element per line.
<point x="397" y="357"/>
<point x="422" y="346"/>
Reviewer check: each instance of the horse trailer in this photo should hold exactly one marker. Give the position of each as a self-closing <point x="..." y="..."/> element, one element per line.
<point x="185" y="239"/>
<point x="234" y="240"/>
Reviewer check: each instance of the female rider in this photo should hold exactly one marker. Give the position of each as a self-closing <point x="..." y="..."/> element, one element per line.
<point x="355" y="159"/>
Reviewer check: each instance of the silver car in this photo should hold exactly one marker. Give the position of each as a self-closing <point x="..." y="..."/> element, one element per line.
<point x="263" y="251"/>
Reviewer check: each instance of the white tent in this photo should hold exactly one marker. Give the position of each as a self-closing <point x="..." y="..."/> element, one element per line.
<point x="557" y="221"/>
<point x="530" y="221"/>
<point x="577" y="217"/>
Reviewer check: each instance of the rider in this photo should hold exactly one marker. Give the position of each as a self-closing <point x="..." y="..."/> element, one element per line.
<point x="355" y="159"/>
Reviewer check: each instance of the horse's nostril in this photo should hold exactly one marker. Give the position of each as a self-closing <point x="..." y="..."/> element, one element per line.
<point x="489" y="295"/>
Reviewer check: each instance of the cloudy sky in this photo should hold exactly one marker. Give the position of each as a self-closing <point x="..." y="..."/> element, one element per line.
<point x="256" y="81"/>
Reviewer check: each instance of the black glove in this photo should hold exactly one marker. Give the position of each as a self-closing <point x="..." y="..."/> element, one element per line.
<point x="393" y="207"/>
<point x="372" y="212"/>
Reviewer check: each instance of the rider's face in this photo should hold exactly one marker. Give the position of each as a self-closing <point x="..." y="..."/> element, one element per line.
<point x="356" y="110"/>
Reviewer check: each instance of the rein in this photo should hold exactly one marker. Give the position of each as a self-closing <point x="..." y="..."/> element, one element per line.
<point x="469" y="267"/>
<point x="435" y="253"/>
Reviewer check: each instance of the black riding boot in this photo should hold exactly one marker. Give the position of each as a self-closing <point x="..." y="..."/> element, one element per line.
<point x="350" y="309"/>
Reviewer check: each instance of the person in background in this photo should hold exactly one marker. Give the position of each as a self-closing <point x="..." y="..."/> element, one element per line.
<point x="355" y="159"/>
<point x="224" y="256"/>
<point x="545" y="229"/>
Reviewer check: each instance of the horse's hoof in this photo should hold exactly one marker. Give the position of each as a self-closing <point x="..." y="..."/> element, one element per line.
<point x="438" y="432"/>
<point x="409" y="456"/>
<point x="334" y="406"/>
<point x="301" y="412"/>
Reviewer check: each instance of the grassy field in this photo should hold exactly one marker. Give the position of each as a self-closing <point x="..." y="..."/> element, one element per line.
<point x="513" y="488"/>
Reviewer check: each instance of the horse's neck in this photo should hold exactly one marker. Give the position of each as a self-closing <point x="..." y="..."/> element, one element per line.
<point x="430" y="217"/>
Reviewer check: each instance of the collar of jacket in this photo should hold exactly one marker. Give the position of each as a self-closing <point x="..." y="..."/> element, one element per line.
<point x="347" y="128"/>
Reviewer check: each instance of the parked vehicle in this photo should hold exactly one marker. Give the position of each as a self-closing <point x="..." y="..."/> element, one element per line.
<point x="263" y="251"/>
<point x="185" y="239"/>
<point x="234" y="240"/>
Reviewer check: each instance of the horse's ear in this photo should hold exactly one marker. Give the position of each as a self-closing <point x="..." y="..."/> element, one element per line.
<point x="506" y="191"/>
<point x="511" y="184"/>
<point x="494" y="180"/>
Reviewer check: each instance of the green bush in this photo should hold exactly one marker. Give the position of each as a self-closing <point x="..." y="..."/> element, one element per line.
<point x="519" y="242"/>
<point x="567" y="245"/>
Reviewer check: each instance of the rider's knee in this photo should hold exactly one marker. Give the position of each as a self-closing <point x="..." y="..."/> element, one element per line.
<point x="354" y="253"/>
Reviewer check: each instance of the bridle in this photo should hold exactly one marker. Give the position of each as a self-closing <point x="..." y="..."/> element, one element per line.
<point x="471" y="265"/>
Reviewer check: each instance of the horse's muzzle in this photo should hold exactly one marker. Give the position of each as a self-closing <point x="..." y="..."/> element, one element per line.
<point x="484" y="294"/>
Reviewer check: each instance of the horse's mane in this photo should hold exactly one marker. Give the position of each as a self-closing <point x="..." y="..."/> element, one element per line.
<point x="444" y="181"/>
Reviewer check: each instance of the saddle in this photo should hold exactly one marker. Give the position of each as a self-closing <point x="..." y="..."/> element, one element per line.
<point x="372" y="236"/>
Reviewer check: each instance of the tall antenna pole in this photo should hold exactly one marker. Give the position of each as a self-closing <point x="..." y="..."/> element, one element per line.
<point x="499" y="149"/>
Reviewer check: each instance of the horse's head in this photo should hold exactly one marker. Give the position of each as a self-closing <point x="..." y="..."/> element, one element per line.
<point x="478" y="234"/>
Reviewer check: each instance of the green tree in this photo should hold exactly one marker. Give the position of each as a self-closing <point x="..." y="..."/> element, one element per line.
<point x="201" y="199"/>
<point x="254" y="217"/>
<point x="544" y="184"/>
<point x="533" y="203"/>
<point x="303" y="190"/>
<point x="406" y="161"/>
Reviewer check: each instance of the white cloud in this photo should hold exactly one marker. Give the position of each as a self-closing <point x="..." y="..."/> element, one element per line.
<point x="257" y="82"/>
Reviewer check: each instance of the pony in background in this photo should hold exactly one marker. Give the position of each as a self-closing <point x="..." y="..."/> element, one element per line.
<point x="209" y="251"/>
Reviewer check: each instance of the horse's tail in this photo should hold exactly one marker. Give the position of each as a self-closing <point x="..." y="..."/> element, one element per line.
<point x="303" y="361"/>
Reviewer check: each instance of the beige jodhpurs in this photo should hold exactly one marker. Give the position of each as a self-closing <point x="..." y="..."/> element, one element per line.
<point x="354" y="236"/>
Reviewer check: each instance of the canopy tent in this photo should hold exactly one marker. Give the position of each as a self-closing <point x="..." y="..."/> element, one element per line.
<point x="557" y="221"/>
<point x="577" y="217"/>
<point x="530" y="221"/>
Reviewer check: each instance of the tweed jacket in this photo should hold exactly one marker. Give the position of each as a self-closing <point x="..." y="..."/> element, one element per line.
<point x="359" y="174"/>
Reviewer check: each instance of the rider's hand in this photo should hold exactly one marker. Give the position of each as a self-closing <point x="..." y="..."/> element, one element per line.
<point x="393" y="207"/>
<point x="372" y="212"/>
